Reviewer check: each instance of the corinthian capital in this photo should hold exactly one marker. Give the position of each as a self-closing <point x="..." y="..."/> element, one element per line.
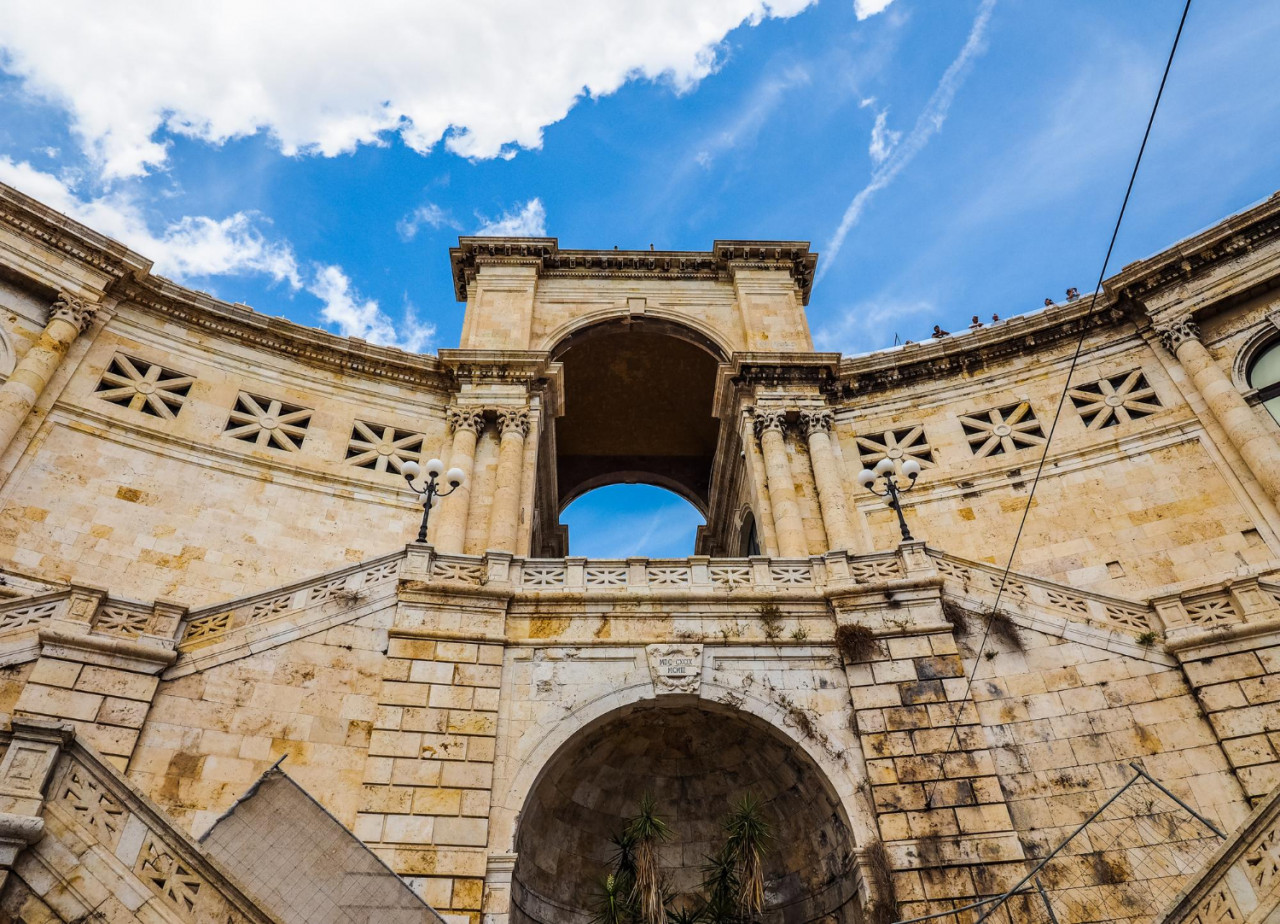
<point x="816" y="421"/>
<point x="1176" y="333"/>
<point x="515" y="420"/>
<point x="768" y="420"/>
<point x="466" y="418"/>
<point x="73" y="310"/>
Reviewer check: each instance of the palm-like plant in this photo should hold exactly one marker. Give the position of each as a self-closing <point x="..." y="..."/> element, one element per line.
<point x="612" y="904"/>
<point x="720" y="882"/>
<point x="748" y="838"/>
<point x="646" y="831"/>
<point x="686" y="915"/>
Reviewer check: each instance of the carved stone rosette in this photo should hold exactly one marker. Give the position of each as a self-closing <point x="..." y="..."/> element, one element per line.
<point x="1176" y="333"/>
<point x="516" y="419"/>
<point x="73" y="310"/>
<point x="466" y="419"/>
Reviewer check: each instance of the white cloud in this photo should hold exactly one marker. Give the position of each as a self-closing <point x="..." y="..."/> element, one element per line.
<point x="199" y="247"/>
<point x="355" y="316"/>
<point x="869" y="325"/>
<point x="193" y="246"/>
<point x="865" y="8"/>
<point x="428" y="214"/>
<point x="765" y="97"/>
<point x="928" y="124"/>
<point x="528" y="220"/>
<point x="325" y="76"/>
<point x="883" y="138"/>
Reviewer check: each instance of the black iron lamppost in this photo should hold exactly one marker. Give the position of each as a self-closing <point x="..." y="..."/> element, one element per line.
<point x="884" y="469"/>
<point x="430" y="492"/>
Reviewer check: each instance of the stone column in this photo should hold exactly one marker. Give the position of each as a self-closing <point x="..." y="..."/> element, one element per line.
<point x="1253" y="439"/>
<point x="826" y="475"/>
<point x="68" y="316"/>
<point x="451" y="533"/>
<point x="504" y="521"/>
<point x="771" y="427"/>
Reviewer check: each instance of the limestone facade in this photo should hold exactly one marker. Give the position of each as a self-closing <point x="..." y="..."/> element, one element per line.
<point x="206" y="545"/>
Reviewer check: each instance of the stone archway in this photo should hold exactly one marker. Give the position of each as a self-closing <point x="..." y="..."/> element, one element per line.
<point x="697" y="758"/>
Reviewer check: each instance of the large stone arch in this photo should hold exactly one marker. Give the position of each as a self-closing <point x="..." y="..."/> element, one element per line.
<point x="828" y="780"/>
<point x="638" y="407"/>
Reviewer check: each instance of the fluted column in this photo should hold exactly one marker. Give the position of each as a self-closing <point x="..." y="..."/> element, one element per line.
<point x="826" y="475"/>
<point x="771" y="427"/>
<point x="451" y="534"/>
<point x="18" y="395"/>
<point x="1253" y="439"/>
<point x="504" y="519"/>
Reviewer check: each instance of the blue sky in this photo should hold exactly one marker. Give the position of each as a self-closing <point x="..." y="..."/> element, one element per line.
<point x="946" y="157"/>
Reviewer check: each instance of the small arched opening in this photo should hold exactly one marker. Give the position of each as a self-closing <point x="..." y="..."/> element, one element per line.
<point x="627" y="520"/>
<point x="696" y="760"/>
<point x="638" y="409"/>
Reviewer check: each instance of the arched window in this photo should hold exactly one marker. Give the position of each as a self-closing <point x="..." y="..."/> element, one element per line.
<point x="1264" y="375"/>
<point x="750" y="539"/>
<point x="625" y="520"/>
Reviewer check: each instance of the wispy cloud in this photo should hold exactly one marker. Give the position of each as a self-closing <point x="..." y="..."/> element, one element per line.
<point x="197" y="247"/>
<point x="428" y="214"/>
<point x="528" y="220"/>
<point x="866" y="326"/>
<point x="883" y="138"/>
<point x="747" y="122"/>
<point x="928" y="124"/>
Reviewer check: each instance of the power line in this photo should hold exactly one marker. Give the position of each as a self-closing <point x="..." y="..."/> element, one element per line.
<point x="1062" y="398"/>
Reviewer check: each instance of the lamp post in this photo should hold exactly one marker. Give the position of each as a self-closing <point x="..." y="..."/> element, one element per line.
<point x="884" y="469"/>
<point x="430" y="492"/>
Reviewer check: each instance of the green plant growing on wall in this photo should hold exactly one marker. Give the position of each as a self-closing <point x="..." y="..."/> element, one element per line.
<point x="646" y="831"/>
<point x="770" y="617"/>
<point x="748" y="836"/>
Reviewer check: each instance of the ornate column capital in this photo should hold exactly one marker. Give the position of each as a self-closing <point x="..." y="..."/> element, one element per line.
<point x="1175" y="333"/>
<point x="763" y="421"/>
<point x="816" y="421"/>
<point x="73" y="310"/>
<point x="513" y="419"/>
<point x="465" y="418"/>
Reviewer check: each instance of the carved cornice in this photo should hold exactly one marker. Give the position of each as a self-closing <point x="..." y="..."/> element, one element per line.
<point x="168" y="300"/>
<point x="1236" y="236"/>
<point x="545" y="253"/>
<point x="36" y="220"/>
<point x="506" y="367"/>
<point x="786" y="370"/>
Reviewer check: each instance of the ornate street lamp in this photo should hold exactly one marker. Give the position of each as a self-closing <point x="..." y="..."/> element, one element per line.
<point x="884" y="469"/>
<point x="430" y="492"/>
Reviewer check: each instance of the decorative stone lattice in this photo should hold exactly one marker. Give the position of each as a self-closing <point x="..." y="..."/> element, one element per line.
<point x="731" y="575"/>
<point x="268" y="422"/>
<point x="1002" y="429"/>
<point x="1115" y="400"/>
<point x="606" y="577"/>
<point x="381" y="447"/>
<point x="113" y="620"/>
<point x="26" y="615"/>
<point x="896" y="445"/>
<point x="169" y="876"/>
<point x="143" y="386"/>
<point x="1212" y="612"/>
<point x="92" y="806"/>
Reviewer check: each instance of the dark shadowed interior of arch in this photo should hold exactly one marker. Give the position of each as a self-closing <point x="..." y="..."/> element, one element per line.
<point x="696" y="760"/>
<point x="637" y="409"/>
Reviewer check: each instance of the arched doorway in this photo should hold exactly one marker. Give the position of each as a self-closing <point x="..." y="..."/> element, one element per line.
<point x="638" y="408"/>
<point x="696" y="760"/>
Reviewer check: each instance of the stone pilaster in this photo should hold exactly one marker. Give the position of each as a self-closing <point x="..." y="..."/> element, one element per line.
<point x="763" y="511"/>
<point x="451" y="529"/>
<point x="1253" y="439"/>
<point x="68" y="317"/>
<point x="770" y="427"/>
<point x="24" y="773"/>
<point x="826" y="475"/>
<point x="504" y="523"/>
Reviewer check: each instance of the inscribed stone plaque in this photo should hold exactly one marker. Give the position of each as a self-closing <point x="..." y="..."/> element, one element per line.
<point x="675" y="668"/>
